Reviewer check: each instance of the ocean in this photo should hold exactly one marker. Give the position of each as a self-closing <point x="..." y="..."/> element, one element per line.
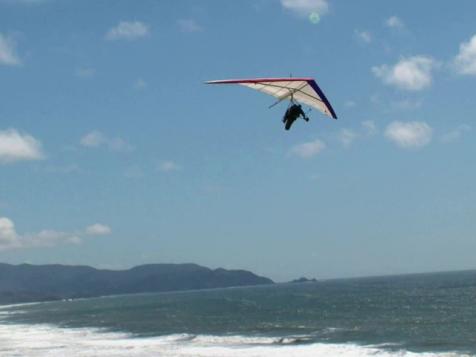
<point x="413" y="315"/>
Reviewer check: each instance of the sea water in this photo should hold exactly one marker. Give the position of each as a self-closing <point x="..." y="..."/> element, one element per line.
<point x="416" y="315"/>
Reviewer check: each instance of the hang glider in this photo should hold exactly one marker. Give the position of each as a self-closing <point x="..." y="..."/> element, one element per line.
<point x="302" y="90"/>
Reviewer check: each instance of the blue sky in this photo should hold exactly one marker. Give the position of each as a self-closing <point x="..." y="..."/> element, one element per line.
<point x="114" y="153"/>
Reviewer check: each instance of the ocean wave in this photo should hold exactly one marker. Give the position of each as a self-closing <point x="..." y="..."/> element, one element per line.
<point x="45" y="340"/>
<point x="9" y="306"/>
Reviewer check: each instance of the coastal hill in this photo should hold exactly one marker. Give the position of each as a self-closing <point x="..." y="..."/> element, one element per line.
<point x="25" y="282"/>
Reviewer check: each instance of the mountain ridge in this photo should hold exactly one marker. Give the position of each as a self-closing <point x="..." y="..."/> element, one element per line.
<point x="26" y="282"/>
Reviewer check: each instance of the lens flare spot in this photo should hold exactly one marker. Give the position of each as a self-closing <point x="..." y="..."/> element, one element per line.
<point x="314" y="17"/>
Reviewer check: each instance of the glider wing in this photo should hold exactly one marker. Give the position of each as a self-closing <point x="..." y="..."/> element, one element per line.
<point x="303" y="90"/>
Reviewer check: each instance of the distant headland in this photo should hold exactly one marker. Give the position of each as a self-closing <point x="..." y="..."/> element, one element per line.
<point x="28" y="283"/>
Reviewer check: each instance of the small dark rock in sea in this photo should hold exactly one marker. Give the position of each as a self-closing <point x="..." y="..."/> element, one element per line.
<point x="304" y="280"/>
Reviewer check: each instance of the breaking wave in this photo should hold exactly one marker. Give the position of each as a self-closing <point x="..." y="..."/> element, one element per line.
<point x="45" y="340"/>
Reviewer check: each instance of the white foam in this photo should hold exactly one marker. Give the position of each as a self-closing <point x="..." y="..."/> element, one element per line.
<point x="49" y="341"/>
<point x="3" y="307"/>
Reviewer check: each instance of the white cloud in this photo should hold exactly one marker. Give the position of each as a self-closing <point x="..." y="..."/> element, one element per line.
<point x="140" y="84"/>
<point x="347" y="137"/>
<point x="189" y="25"/>
<point x="128" y="30"/>
<point x="48" y="238"/>
<point x="409" y="135"/>
<point x="375" y="98"/>
<point x="394" y="22"/>
<point x="96" y="139"/>
<point x="413" y="73"/>
<point x="85" y="72"/>
<point x="8" y="55"/>
<point x="306" y="7"/>
<point x="465" y="61"/>
<point x="119" y="144"/>
<point x="98" y="229"/>
<point x="315" y="177"/>
<point x="407" y="104"/>
<point x="15" y="146"/>
<point x="370" y="127"/>
<point x="169" y="166"/>
<point x="455" y="134"/>
<point x="309" y="149"/>
<point x="93" y="139"/>
<point x="364" y="36"/>
<point x="8" y="235"/>
<point x="134" y="172"/>
<point x="10" y="239"/>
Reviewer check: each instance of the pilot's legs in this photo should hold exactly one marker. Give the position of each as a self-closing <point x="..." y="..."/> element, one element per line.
<point x="289" y="122"/>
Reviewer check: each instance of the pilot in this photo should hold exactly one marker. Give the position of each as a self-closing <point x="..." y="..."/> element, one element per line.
<point x="291" y="115"/>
